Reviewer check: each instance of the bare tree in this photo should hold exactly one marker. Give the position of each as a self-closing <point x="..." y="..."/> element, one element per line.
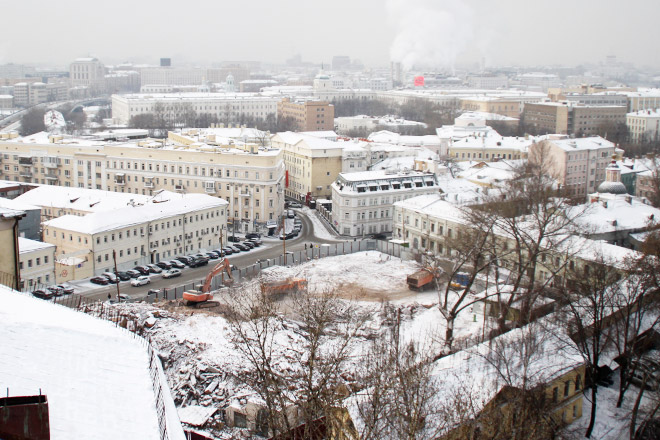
<point x="32" y="121"/>
<point x="590" y="298"/>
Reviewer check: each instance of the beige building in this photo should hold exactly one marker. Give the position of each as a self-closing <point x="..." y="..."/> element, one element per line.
<point x="644" y="125"/>
<point x="570" y="118"/>
<point x="10" y="273"/>
<point x="312" y="164"/>
<point x="88" y="72"/>
<point x="166" y="226"/>
<point x="37" y="263"/>
<point x="486" y="104"/>
<point x="577" y="164"/>
<point x="308" y="115"/>
<point x="248" y="177"/>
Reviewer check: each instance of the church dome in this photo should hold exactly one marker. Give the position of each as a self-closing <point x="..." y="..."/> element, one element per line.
<point x="612" y="188"/>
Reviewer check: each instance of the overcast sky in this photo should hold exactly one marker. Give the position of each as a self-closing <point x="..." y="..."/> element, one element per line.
<point x="430" y="32"/>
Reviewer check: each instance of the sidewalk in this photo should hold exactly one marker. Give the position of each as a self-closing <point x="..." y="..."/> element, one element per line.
<point x="322" y="228"/>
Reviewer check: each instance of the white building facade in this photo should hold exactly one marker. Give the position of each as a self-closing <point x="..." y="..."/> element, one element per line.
<point x="643" y="125"/>
<point x="362" y="203"/>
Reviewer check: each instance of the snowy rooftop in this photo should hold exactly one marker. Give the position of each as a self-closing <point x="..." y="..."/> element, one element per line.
<point x="617" y="213"/>
<point x="646" y="113"/>
<point x="313" y="142"/>
<point x="18" y="205"/>
<point x="193" y="96"/>
<point x="485" y="116"/>
<point x="588" y="143"/>
<point x="96" y="376"/>
<point x="27" y="245"/>
<point x="389" y="137"/>
<point x="382" y="175"/>
<point x="164" y="205"/>
<point x="80" y="199"/>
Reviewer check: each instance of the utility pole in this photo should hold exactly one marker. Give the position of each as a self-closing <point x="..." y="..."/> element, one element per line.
<point x="284" y="240"/>
<point x="114" y="259"/>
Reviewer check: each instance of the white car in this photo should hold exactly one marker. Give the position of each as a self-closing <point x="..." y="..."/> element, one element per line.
<point x="171" y="273"/>
<point x="140" y="281"/>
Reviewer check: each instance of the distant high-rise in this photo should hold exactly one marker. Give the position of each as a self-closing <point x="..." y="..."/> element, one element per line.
<point x="165" y="62"/>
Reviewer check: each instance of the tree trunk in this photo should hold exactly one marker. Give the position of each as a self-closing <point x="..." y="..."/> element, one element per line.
<point x="592" y="417"/>
<point x="622" y="385"/>
<point x="449" y="334"/>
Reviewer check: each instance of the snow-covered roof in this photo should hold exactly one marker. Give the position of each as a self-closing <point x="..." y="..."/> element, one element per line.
<point x="27" y="245"/>
<point x="381" y="175"/>
<point x="583" y="144"/>
<point x="17" y="205"/>
<point x="164" y="205"/>
<point x="313" y="142"/>
<point x="615" y="213"/>
<point x="650" y="113"/>
<point x="80" y="199"/>
<point x="485" y="116"/>
<point x="388" y="137"/>
<point x="95" y="375"/>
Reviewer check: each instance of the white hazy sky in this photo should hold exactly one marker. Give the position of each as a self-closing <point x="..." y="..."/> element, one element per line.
<point x="430" y="32"/>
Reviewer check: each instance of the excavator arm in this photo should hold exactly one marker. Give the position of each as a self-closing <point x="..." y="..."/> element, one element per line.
<point x="223" y="265"/>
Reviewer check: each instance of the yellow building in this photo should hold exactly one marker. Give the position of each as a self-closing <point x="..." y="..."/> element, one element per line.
<point x="10" y="273"/>
<point x="312" y="164"/>
<point x="249" y="177"/>
<point x="308" y="115"/>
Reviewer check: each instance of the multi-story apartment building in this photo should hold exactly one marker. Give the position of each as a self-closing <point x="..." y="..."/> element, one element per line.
<point x="88" y="72"/>
<point x="362" y="202"/>
<point x="490" y="104"/>
<point x="643" y="99"/>
<point x="644" y="125"/>
<point x="577" y="164"/>
<point x="191" y="76"/>
<point x="249" y="178"/>
<point x="308" y="115"/>
<point x="312" y="164"/>
<point x="37" y="263"/>
<point x="6" y="102"/>
<point x="570" y="118"/>
<point x="162" y="228"/>
<point x="229" y="107"/>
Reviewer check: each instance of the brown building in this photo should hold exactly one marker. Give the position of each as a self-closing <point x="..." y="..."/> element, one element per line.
<point x="308" y="115"/>
<point x="567" y="118"/>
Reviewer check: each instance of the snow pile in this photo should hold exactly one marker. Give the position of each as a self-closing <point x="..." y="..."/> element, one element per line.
<point x="369" y="270"/>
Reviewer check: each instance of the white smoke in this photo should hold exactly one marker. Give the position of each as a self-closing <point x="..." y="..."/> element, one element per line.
<point x="429" y="32"/>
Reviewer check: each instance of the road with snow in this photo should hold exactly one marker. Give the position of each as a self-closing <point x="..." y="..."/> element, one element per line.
<point x="313" y="232"/>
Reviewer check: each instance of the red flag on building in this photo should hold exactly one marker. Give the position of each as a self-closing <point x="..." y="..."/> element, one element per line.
<point x="419" y="81"/>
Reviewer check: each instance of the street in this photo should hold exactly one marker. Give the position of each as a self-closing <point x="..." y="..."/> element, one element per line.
<point x="272" y="248"/>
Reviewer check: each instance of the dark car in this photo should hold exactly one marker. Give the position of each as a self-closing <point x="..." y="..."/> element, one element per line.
<point x="234" y="249"/>
<point x="66" y="290"/>
<point x="144" y="270"/>
<point x="185" y="260"/>
<point x="220" y="252"/>
<point x="234" y="239"/>
<point x="256" y="241"/>
<point x="213" y="255"/>
<point x="99" y="280"/>
<point x="241" y="246"/>
<point x="133" y="273"/>
<point x="177" y="264"/>
<point x="197" y="262"/>
<point x="227" y="250"/>
<point x="252" y="235"/>
<point x="43" y="294"/>
<point x="164" y="265"/>
<point x="249" y="244"/>
<point x="123" y="276"/>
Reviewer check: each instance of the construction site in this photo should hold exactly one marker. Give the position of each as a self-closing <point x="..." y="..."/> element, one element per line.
<point x="196" y="338"/>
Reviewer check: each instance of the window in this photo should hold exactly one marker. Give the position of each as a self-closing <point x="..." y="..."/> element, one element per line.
<point x="555" y="394"/>
<point x="567" y="387"/>
<point x="578" y="382"/>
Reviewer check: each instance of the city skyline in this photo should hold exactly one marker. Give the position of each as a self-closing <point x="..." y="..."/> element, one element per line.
<point x="435" y="34"/>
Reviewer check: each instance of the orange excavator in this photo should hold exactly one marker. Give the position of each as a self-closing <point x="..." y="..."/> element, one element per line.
<point x="194" y="297"/>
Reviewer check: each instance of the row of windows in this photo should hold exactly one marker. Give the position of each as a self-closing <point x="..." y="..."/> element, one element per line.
<point x="37" y="262"/>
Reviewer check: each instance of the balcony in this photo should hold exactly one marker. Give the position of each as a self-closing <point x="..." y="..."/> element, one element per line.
<point x="25" y="160"/>
<point x="210" y="188"/>
<point x="149" y="184"/>
<point x="50" y="176"/>
<point x="179" y="188"/>
<point x="25" y="173"/>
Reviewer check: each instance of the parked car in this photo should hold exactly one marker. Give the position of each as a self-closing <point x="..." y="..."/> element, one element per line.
<point x="241" y="246"/>
<point x="66" y="290"/>
<point x="144" y="270"/>
<point x="164" y="265"/>
<point x="199" y="262"/>
<point x="234" y="238"/>
<point x="43" y="294"/>
<point x="134" y="273"/>
<point x="99" y="280"/>
<point x="288" y="236"/>
<point x="55" y="290"/>
<point x="213" y="255"/>
<point x="228" y="250"/>
<point x="177" y="264"/>
<point x="111" y="277"/>
<point x="154" y="269"/>
<point x="123" y="276"/>
<point x="290" y="213"/>
<point x="252" y="235"/>
<point x="295" y="205"/>
<point x="172" y="273"/>
<point x="249" y="244"/>
<point x="220" y="252"/>
<point x="183" y="260"/>
<point x="140" y="281"/>
<point x="235" y="249"/>
<point x="256" y="241"/>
